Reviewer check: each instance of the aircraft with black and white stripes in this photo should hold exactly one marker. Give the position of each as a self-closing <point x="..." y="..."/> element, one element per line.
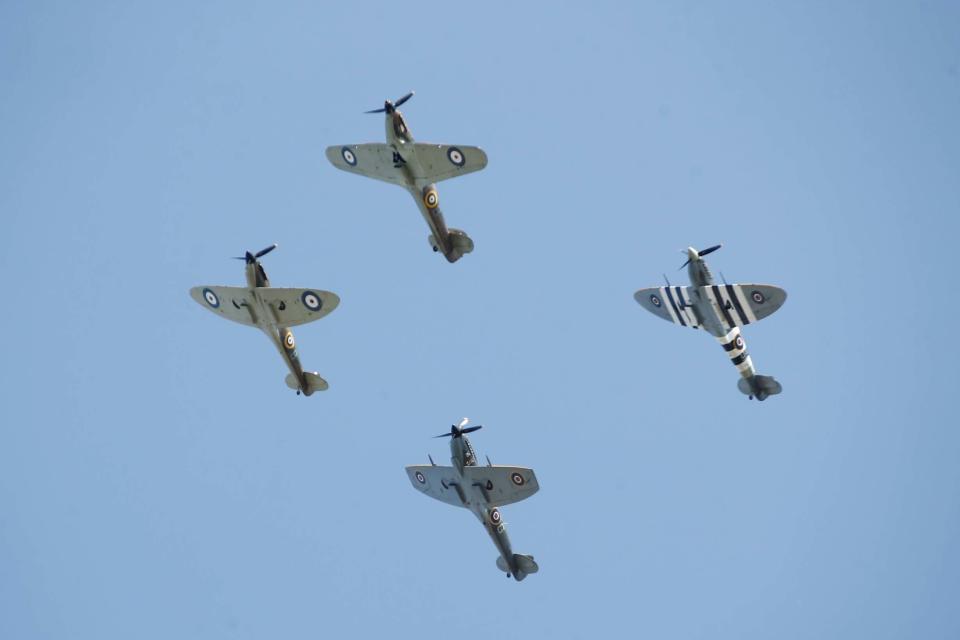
<point x="417" y="167"/>
<point x="482" y="490"/>
<point x="273" y="311"/>
<point x="721" y="310"/>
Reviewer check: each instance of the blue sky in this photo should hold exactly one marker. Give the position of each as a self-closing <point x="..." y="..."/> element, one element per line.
<point x="158" y="479"/>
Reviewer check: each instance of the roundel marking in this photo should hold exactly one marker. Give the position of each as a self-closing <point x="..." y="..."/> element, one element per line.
<point x="455" y="156"/>
<point x="311" y="301"/>
<point x="289" y="341"/>
<point x="739" y="342"/>
<point x="495" y="516"/>
<point x="211" y="298"/>
<point x="420" y="478"/>
<point x="758" y="297"/>
<point x="348" y="156"/>
<point x="517" y="479"/>
<point x="431" y="199"/>
<point x="655" y="300"/>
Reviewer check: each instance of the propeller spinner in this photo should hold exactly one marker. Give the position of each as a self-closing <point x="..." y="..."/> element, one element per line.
<point x="457" y="431"/>
<point x="390" y="107"/>
<point x="250" y="258"/>
<point x="693" y="254"/>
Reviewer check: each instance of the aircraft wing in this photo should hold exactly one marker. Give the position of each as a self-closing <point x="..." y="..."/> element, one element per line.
<point x="670" y="303"/>
<point x="503" y="485"/>
<point x="373" y="160"/>
<point x="293" y="307"/>
<point x="443" y="161"/>
<point x="227" y="302"/>
<point x="436" y="481"/>
<point x="743" y="304"/>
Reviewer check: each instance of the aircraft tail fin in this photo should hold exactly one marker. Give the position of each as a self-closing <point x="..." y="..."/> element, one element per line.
<point x="524" y="566"/>
<point x="759" y="387"/>
<point x="311" y="382"/>
<point x="460" y="244"/>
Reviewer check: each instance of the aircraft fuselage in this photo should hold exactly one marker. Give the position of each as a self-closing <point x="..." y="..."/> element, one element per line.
<point x="474" y="498"/>
<point x="264" y="316"/>
<point x="424" y="193"/>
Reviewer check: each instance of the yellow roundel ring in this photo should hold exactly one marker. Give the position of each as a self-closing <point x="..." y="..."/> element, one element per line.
<point x="289" y="342"/>
<point x="431" y="198"/>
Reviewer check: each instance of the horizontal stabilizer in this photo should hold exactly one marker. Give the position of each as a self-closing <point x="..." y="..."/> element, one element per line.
<point x="311" y="382"/>
<point x="523" y="566"/>
<point x="760" y="387"/>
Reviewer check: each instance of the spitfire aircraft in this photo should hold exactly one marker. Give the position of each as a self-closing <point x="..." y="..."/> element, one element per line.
<point x="721" y="310"/>
<point x="482" y="490"/>
<point x="273" y="311"/>
<point x="415" y="166"/>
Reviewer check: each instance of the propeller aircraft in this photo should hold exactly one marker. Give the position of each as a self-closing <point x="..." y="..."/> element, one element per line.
<point x="417" y="167"/>
<point x="273" y="311"/>
<point x="482" y="490"/>
<point x="721" y="310"/>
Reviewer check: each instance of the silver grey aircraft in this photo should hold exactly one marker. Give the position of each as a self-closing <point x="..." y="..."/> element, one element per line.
<point x="417" y="167"/>
<point x="273" y="311"/>
<point x="720" y="310"/>
<point x="482" y="490"/>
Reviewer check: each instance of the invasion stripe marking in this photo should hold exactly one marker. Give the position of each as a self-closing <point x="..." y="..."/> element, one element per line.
<point x="723" y="306"/>
<point x="674" y="305"/>
<point x="740" y="358"/>
<point x="736" y="304"/>
<point x="744" y="303"/>
<point x="663" y="296"/>
<point x="687" y="307"/>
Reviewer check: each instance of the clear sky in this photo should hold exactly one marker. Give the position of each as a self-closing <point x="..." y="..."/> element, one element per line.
<point x="159" y="480"/>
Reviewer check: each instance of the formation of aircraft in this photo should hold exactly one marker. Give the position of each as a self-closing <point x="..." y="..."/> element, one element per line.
<point x="482" y="490"/>
<point x="273" y="311"/>
<point x="721" y="310"/>
<point x="417" y="167"/>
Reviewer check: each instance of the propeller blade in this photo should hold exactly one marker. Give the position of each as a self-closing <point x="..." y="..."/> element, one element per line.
<point x="239" y="257"/>
<point x="403" y="99"/>
<point x="710" y="250"/>
<point x="684" y="264"/>
<point x="380" y="110"/>
<point x="443" y="435"/>
<point x="264" y="252"/>
<point x="471" y="429"/>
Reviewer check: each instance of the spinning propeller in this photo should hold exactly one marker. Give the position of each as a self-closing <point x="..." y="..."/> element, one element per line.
<point x="694" y="254"/>
<point x="253" y="257"/>
<point x="457" y="431"/>
<point x="390" y="107"/>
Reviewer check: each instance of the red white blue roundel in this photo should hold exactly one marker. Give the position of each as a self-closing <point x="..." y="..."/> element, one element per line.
<point x="455" y="156"/>
<point x="655" y="300"/>
<point x="494" y="516"/>
<point x="211" y="298"/>
<point x="348" y="156"/>
<point x="420" y="477"/>
<point x="311" y="301"/>
<point x="739" y="342"/>
<point x="758" y="297"/>
<point x="517" y="478"/>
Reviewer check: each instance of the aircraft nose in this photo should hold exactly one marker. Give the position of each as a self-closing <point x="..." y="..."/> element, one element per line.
<point x="692" y="253"/>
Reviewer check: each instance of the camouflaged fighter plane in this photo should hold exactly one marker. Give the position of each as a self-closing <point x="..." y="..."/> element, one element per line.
<point x="721" y="310"/>
<point x="415" y="166"/>
<point x="273" y="311"/>
<point x="481" y="490"/>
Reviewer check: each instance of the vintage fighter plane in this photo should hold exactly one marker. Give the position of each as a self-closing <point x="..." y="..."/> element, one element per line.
<point x="415" y="166"/>
<point x="481" y="490"/>
<point x="273" y="311"/>
<point x="721" y="310"/>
